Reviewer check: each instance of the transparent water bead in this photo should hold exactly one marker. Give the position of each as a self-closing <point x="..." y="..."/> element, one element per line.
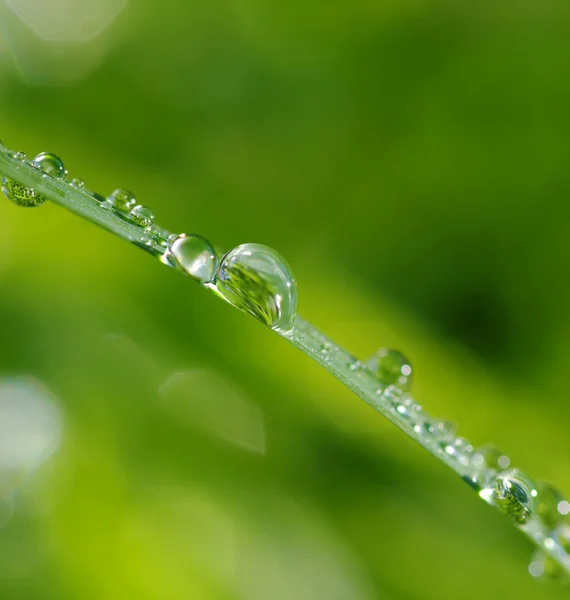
<point x="142" y="216"/>
<point x="426" y="429"/>
<point x="446" y="431"/>
<point x="258" y="280"/>
<point x="391" y="368"/>
<point x="515" y="494"/>
<point x="551" y="507"/>
<point x="122" y="200"/>
<point x="20" y="194"/>
<point x="459" y="449"/>
<point x="490" y="457"/>
<point x="77" y="183"/>
<point x="50" y="164"/>
<point x="194" y="255"/>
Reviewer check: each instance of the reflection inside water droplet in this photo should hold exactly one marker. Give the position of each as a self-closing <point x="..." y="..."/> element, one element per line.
<point x="122" y="200"/>
<point x="194" y="255"/>
<point x="258" y="280"/>
<point x="515" y="495"/>
<point x="50" y="164"/>
<point x="142" y="216"/>
<point x="391" y="368"/>
<point x="20" y="194"/>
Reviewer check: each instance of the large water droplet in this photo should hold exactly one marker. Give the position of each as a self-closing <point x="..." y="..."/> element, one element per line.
<point x="49" y="163"/>
<point x="515" y="494"/>
<point x="195" y="256"/>
<point x="122" y="200"/>
<point x="20" y="194"/>
<point x="258" y="280"/>
<point x="142" y="216"/>
<point x="391" y="368"/>
<point x="550" y="503"/>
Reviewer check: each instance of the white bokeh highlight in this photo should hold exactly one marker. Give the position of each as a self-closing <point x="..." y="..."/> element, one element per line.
<point x="30" y="425"/>
<point x="67" y="20"/>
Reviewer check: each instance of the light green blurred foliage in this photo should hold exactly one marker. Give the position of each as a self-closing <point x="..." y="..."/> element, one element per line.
<point x="409" y="159"/>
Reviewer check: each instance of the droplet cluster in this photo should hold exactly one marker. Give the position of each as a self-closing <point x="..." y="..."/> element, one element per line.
<point x="252" y="277"/>
<point x="386" y="378"/>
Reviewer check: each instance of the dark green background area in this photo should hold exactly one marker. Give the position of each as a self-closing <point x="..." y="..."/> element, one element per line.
<point x="410" y="160"/>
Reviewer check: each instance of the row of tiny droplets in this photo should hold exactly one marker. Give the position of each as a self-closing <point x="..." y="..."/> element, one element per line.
<point x="252" y="277"/>
<point x="510" y="490"/>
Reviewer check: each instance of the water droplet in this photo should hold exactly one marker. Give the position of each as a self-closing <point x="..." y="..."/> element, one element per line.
<point x="258" y="280"/>
<point x="446" y="430"/>
<point x="490" y="457"/>
<point x="20" y="156"/>
<point x="515" y="495"/>
<point x="50" y="164"/>
<point x="459" y="449"/>
<point x="195" y="256"/>
<point x="391" y="368"/>
<point x="425" y="428"/>
<point x="549" y="500"/>
<point x="20" y="194"/>
<point x="77" y="183"/>
<point x="122" y="200"/>
<point x="142" y="216"/>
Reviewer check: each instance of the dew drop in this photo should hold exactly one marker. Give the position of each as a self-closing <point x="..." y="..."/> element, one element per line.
<point x="195" y="256"/>
<point x="515" y="495"/>
<point x="550" y="500"/>
<point x="50" y="164"/>
<point x="20" y="156"/>
<point x="77" y="183"/>
<point x="391" y="368"/>
<point x="446" y="430"/>
<point x="425" y="429"/>
<point x="490" y="457"/>
<point x="20" y="194"/>
<point x="142" y="216"/>
<point x="122" y="200"/>
<point x="258" y="280"/>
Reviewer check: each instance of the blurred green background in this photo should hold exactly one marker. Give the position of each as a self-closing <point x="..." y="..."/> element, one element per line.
<point x="410" y="159"/>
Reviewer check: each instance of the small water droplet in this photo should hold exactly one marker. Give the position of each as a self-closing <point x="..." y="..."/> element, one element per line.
<point x="20" y="194"/>
<point x="142" y="216"/>
<point x="446" y="430"/>
<point x="50" y="164"/>
<point x="195" y="256"/>
<point x="490" y="457"/>
<point x="515" y="494"/>
<point x="122" y="200"/>
<point x="425" y="428"/>
<point x="20" y="156"/>
<point x="549" y="500"/>
<point x="391" y="368"/>
<point x="258" y="280"/>
<point x="77" y="183"/>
